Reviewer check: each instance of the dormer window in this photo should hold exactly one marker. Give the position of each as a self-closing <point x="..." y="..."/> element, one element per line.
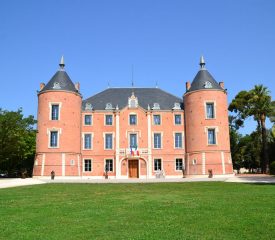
<point x="56" y="85"/>
<point x="109" y="106"/>
<point x="207" y="84"/>
<point x="133" y="101"/>
<point x="156" y="106"/>
<point x="88" y="106"/>
<point x="176" y="106"/>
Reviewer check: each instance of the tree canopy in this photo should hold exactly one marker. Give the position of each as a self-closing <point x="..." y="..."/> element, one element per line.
<point x="256" y="103"/>
<point x="17" y="141"/>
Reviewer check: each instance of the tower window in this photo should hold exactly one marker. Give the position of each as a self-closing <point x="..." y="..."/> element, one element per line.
<point x="210" y="110"/>
<point x="133" y="119"/>
<point x="211" y="136"/>
<point x="54" y="139"/>
<point x="108" y="120"/>
<point x="55" y="112"/>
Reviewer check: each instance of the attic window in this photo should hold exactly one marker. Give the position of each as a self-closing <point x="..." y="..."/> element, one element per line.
<point x="133" y="101"/>
<point x="109" y="106"/>
<point x="207" y="84"/>
<point x="56" y="85"/>
<point x="176" y="106"/>
<point x="88" y="106"/>
<point x="156" y="106"/>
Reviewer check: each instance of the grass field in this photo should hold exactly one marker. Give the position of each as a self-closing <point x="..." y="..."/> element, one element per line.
<point x="138" y="211"/>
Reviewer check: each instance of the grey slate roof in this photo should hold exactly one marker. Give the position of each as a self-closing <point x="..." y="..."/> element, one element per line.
<point x="199" y="81"/>
<point x="60" y="81"/>
<point x="119" y="97"/>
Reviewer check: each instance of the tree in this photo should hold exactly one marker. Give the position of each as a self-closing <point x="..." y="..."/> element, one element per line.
<point x="257" y="103"/>
<point x="17" y="141"/>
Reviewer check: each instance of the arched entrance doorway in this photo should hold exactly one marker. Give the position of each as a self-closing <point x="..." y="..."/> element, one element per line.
<point x="134" y="167"/>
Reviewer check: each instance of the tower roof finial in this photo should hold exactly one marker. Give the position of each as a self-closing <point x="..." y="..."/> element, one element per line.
<point x="62" y="63"/>
<point x="202" y="62"/>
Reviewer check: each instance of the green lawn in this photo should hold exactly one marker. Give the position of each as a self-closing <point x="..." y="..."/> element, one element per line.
<point x="138" y="211"/>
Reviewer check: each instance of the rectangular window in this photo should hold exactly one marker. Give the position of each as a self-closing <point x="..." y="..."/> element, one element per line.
<point x="109" y="165"/>
<point x="179" y="164"/>
<point x="133" y="119"/>
<point x="178" y="140"/>
<point x="55" y="112"/>
<point x="157" y="164"/>
<point x="177" y="119"/>
<point x="157" y="140"/>
<point x="211" y="136"/>
<point x="210" y="110"/>
<point x="108" y="119"/>
<point x="133" y="140"/>
<point x="156" y="119"/>
<point x="88" y="119"/>
<point x="108" y="141"/>
<point x="54" y="139"/>
<point x="87" y="165"/>
<point x="87" y="141"/>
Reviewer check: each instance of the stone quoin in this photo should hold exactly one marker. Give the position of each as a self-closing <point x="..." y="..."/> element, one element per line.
<point x="132" y="132"/>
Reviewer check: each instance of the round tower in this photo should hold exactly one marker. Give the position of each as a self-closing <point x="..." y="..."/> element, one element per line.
<point x="58" y="141"/>
<point x="207" y="128"/>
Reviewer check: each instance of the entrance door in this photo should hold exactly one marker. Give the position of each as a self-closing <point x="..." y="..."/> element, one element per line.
<point x="133" y="168"/>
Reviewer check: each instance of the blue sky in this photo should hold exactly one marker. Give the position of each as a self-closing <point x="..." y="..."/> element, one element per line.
<point x="163" y="39"/>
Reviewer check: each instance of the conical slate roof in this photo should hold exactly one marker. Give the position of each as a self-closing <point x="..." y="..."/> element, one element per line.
<point x="204" y="80"/>
<point x="60" y="81"/>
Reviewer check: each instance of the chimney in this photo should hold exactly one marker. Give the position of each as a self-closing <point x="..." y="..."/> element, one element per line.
<point x="77" y="86"/>
<point x="221" y="84"/>
<point x="42" y="85"/>
<point x="188" y="85"/>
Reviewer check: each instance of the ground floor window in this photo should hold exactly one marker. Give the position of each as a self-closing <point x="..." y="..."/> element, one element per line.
<point x="179" y="164"/>
<point x="157" y="164"/>
<point x="87" y="165"/>
<point x="109" y="165"/>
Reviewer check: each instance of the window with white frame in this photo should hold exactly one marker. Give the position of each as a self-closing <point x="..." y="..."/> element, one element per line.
<point x="179" y="164"/>
<point x="211" y="136"/>
<point x="88" y="119"/>
<point x="108" y="119"/>
<point x="178" y="140"/>
<point x="87" y="165"/>
<point x="55" y="112"/>
<point x="54" y="139"/>
<point x="157" y="140"/>
<point x="109" y="165"/>
<point x="133" y="140"/>
<point x="156" y="119"/>
<point x="177" y="119"/>
<point x="87" y="141"/>
<point x="133" y="119"/>
<point x="210" y="113"/>
<point x="108" y="141"/>
<point x="157" y="164"/>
